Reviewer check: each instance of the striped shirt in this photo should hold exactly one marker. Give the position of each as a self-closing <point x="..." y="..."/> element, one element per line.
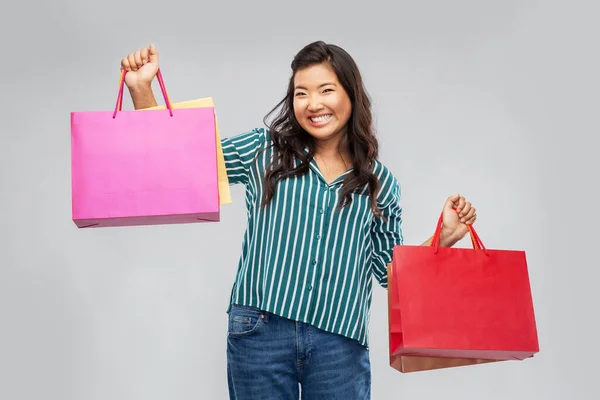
<point x="303" y="259"/>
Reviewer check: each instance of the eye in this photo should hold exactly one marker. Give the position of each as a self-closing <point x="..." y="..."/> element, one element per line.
<point x="299" y="94"/>
<point x="327" y="90"/>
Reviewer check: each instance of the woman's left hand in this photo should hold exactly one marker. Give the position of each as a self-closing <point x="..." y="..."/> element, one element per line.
<point x="455" y="222"/>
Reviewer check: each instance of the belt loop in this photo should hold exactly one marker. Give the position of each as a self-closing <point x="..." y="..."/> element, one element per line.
<point x="264" y="316"/>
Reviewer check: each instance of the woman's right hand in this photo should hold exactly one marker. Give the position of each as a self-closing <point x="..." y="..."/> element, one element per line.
<point x="141" y="67"/>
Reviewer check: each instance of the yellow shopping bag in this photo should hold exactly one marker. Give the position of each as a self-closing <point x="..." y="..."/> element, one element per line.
<point x="224" y="193"/>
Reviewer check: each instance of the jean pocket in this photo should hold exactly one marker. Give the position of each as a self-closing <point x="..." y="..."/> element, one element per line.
<point x="244" y="321"/>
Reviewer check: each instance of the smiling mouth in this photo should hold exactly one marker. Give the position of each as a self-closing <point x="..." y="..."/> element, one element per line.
<point x="321" y="119"/>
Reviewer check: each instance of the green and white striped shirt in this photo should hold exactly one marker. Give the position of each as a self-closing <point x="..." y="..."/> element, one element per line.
<point x="301" y="258"/>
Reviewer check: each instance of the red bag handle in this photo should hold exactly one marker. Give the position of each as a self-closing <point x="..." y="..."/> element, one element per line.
<point x="475" y="239"/>
<point x="119" y="105"/>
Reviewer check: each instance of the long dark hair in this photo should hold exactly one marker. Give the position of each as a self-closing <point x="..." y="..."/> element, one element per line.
<point x="290" y="139"/>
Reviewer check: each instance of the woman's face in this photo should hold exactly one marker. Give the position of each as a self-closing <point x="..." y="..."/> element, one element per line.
<point x="321" y="105"/>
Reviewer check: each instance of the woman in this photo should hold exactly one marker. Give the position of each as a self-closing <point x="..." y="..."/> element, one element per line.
<point x="323" y="217"/>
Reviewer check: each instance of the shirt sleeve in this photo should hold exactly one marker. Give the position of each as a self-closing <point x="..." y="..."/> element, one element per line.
<point x="240" y="152"/>
<point x="386" y="233"/>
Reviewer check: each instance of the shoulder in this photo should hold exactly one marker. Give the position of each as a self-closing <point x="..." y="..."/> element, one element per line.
<point x="254" y="136"/>
<point x="389" y="186"/>
<point x="246" y="145"/>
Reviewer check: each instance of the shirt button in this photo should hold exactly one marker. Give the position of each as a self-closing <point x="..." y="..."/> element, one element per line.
<point x="314" y="262"/>
<point x="318" y="237"/>
<point x="309" y="287"/>
<point x="320" y="211"/>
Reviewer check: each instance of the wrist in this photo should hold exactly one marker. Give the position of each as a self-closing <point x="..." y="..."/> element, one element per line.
<point x="140" y="87"/>
<point x="142" y="96"/>
<point x="447" y="239"/>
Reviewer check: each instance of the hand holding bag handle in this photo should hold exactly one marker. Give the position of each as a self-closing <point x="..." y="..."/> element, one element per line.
<point x="119" y="105"/>
<point x="475" y="239"/>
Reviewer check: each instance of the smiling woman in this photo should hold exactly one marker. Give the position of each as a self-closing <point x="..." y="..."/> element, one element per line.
<point x="324" y="217"/>
<point x="321" y="102"/>
<point x="322" y="108"/>
<point x="326" y="84"/>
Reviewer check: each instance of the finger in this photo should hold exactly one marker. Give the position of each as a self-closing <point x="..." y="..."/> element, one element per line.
<point x="152" y="53"/>
<point x="465" y="210"/>
<point x="471" y="220"/>
<point x="460" y="204"/>
<point x="125" y="64"/>
<point x="451" y="201"/>
<point x="132" y="63"/>
<point x="138" y="59"/>
<point x="468" y="215"/>
<point x="144" y="55"/>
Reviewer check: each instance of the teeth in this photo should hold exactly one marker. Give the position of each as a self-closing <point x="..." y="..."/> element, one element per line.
<point x="322" y="118"/>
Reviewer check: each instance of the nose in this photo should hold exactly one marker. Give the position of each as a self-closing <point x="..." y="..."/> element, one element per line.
<point x="314" y="103"/>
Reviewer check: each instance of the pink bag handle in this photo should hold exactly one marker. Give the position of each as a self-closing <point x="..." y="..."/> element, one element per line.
<point x="119" y="105"/>
<point x="475" y="239"/>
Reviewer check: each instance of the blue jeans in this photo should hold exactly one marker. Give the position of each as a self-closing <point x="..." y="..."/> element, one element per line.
<point x="269" y="357"/>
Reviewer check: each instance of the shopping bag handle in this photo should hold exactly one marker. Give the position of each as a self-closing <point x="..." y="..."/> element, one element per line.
<point x="475" y="239"/>
<point x="119" y="105"/>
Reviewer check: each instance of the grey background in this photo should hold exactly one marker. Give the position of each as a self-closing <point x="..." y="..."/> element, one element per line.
<point x="496" y="100"/>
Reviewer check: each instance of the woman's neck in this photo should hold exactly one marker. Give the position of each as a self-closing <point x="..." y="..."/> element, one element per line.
<point x="333" y="150"/>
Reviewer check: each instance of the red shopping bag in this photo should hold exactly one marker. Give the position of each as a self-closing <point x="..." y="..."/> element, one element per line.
<point x="454" y="306"/>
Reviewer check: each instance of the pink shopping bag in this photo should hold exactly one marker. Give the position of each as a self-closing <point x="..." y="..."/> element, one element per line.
<point x="144" y="167"/>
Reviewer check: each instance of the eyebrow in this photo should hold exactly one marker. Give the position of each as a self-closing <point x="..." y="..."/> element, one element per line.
<point x="320" y="86"/>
